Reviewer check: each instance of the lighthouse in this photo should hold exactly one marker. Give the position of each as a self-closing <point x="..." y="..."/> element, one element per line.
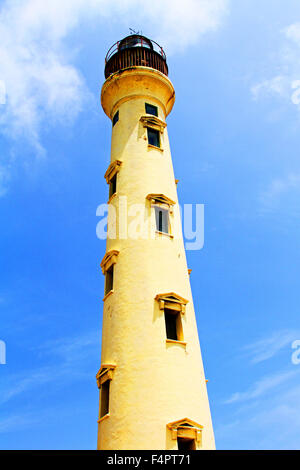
<point x="153" y="390"/>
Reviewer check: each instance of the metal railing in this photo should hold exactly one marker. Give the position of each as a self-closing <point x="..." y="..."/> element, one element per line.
<point x="140" y="41"/>
<point x="135" y="51"/>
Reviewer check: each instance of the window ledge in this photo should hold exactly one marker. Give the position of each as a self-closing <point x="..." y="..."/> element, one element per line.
<point x="164" y="233"/>
<point x="103" y="418"/>
<point x="174" y="341"/>
<point x="154" y="147"/>
<point x="112" y="170"/>
<point x="108" y="294"/>
<point x="152" y="121"/>
<point x="112" y="197"/>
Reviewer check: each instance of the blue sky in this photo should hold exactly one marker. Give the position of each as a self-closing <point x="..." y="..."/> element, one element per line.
<point x="234" y="132"/>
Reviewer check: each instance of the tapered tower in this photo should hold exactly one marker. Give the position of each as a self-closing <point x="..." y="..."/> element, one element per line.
<point x="152" y="384"/>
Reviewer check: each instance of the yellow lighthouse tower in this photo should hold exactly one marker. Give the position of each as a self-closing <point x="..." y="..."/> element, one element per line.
<point x="152" y="384"/>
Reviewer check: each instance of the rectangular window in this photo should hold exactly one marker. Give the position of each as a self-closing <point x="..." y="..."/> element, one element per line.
<point x="173" y="325"/>
<point x="150" y="109"/>
<point x="109" y="280"/>
<point x="104" y="407"/>
<point x="186" y="444"/>
<point x="162" y="219"/>
<point x="115" y="118"/>
<point x="153" y="137"/>
<point x="113" y="186"/>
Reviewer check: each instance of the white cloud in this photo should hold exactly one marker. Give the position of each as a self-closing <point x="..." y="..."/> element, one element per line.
<point x="266" y="415"/>
<point x="261" y="387"/>
<point x="268" y="347"/>
<point x="282" y="195"/>
<point x="277" y="85"/>
<point x="270" y="422"/>
<point x="71" y="361"/>
<point x="42" y="83"/>
<point x="286" y="83"/>
<point x="179" y="24"/>
<point x="293" y="32"/>
<point x="73" y="350"/>
<point x="4" y="177"/>
<point x="16" y="421"/>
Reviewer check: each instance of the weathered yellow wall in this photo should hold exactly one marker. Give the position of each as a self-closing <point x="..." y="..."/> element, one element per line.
<point x="154" y="383"/>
